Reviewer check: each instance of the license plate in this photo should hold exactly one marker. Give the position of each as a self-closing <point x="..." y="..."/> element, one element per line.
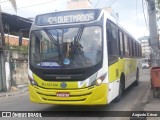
<point x="63" y="94"/>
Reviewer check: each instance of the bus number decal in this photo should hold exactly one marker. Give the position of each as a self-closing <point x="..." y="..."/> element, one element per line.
<point x="48" y="64"/>
<point x="71" y="18"/>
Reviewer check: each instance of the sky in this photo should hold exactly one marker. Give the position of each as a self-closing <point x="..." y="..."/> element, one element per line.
<point x="130" y="12"/>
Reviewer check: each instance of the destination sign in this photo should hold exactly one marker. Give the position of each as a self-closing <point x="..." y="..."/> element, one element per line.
<point x="67" y="17"/>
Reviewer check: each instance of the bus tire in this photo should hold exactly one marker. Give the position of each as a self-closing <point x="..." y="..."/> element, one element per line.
<point x="121" y="90"/>
<point x="137" y="78"/>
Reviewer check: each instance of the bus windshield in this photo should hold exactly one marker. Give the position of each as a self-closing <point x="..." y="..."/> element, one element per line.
<point x="77" y="47"/>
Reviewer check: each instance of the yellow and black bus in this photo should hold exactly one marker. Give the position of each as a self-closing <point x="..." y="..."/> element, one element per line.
<point x="81" y="57"/>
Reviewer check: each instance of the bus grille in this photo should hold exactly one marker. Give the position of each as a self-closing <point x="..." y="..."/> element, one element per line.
<point x="75" y="94"/>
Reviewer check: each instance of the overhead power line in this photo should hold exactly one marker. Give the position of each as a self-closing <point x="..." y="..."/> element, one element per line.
<point x="97" y="3"/>
<point x="33" y="5"/>
<point x="137" y="15"/>
<point x="113" y="3"/>
<point x="109" y="3"/>
<point x="106" y="5"/>
<point x="144" y="15"/>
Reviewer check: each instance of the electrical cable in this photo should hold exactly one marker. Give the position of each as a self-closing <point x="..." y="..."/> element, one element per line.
<point x="110" y="3"/>
<point x="113" y="3"/>
<point x="144" y="15"/>
<point x="137" y="15"/>
<point x="107" y="3"/>
<point x="33" y="5"/>
<point x="97" y="3"/>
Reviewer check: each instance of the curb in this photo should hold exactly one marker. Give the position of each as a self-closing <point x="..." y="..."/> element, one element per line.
<point x="7" y="94"/>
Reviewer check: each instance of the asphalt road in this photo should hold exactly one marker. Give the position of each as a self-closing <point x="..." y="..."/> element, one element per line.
<point x="132" y="100"/>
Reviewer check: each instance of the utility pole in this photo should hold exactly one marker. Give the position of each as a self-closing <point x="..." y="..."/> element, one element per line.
<point x="154" y="41"/>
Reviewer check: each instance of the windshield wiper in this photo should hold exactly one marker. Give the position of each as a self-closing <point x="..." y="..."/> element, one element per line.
<point x="79" y="34"/>
<point x="77" y="38"/>
<point x="51" y="37"/>
<point x="77" y="45"/>
<point x="55" y="42"/>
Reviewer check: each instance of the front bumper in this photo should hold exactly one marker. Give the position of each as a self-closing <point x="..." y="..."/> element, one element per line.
<point x="94" y="95"/>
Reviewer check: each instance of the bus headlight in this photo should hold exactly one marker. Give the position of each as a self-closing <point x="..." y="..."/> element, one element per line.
<point x="99" y="80"/>
<point x="32" y="82"/>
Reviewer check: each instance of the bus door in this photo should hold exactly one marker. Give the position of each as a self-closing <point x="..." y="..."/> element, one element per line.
<point x="113" y="70"/>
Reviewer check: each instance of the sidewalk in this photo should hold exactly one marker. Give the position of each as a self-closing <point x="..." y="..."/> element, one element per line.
<point x="152" y="104"/>
<point x="14" y="91"/>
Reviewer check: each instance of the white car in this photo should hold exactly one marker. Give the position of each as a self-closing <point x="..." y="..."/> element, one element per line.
<point x="145" y="63"/>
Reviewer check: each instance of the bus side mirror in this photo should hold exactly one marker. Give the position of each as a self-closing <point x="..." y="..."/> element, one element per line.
<point x="20" y="39"/>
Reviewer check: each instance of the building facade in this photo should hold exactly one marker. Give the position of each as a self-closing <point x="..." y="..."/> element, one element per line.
<point x="78" y="4"/>
<point x="146" y="49"/>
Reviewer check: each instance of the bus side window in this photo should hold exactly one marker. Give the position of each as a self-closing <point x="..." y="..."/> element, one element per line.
<point x="136" y="49"/>
<point x="112" y="40"/>
<point x="140" y="50"/>
<point x="130" y="47"/>
<point x="126" y="45"/>
<point x="133" y="49"/>
<point x="109" y="39"/>
<point x="120" y="43"/>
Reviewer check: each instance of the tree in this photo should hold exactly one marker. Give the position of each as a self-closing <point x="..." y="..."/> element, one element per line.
<point x="13" y="3"/>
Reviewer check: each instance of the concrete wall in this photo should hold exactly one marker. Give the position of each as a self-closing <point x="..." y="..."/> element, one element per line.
<point x="19" y="72"/>
<point x="16" y="69"/>
<point x="19" y="68"/>
<point x="14" y="65"/>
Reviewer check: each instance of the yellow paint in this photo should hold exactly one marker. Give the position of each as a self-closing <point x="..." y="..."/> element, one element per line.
<point x="55" y="84"/>
<point x="95" y="95"/>
<point x="125" y="65"/>
<point x="46" y="91"/>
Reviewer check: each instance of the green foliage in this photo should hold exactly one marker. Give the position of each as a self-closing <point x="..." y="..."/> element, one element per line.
<point x="21" y="49"/>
